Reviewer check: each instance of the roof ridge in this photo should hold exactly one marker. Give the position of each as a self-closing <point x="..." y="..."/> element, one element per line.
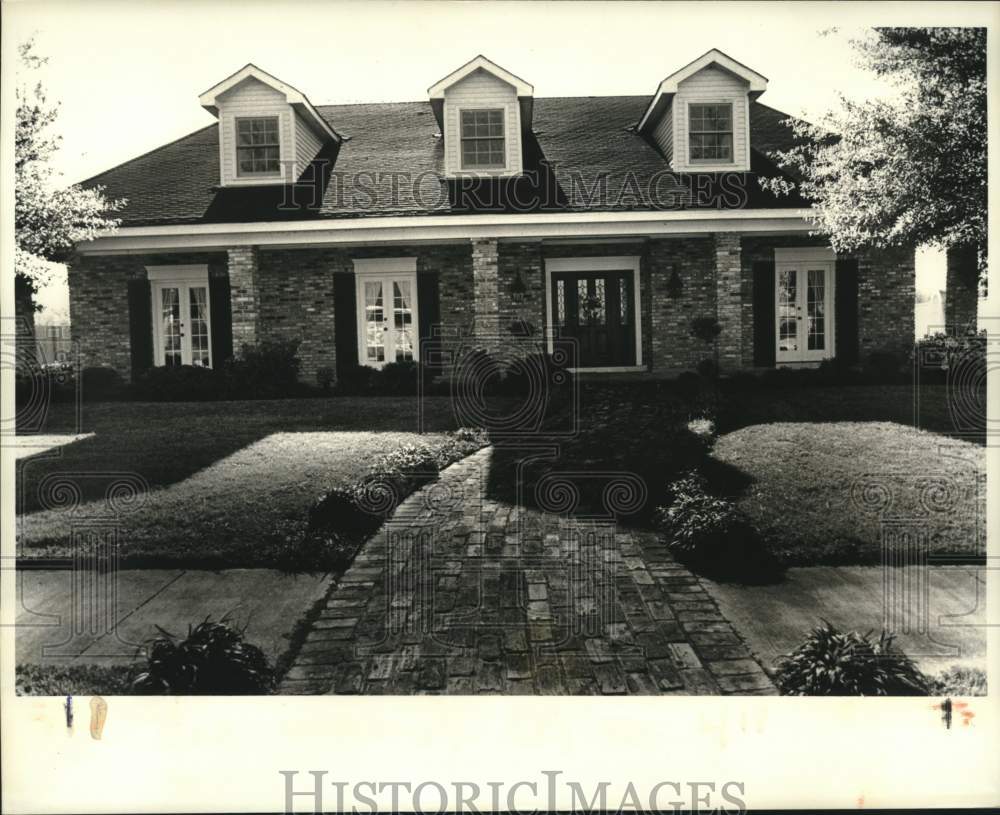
<point x="147" y="153"/>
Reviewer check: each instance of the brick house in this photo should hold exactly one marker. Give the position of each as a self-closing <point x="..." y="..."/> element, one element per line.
<point x="479" y="217"/>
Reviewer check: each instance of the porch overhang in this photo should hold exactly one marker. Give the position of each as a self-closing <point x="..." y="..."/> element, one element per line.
<point x="446" y="229"/>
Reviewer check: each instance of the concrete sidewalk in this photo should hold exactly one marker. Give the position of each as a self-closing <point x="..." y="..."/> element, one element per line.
<point x="71" y="617"/>
<point x="938" y="612"/>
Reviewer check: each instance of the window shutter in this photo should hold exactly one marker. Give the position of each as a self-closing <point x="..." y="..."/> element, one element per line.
<point x="763" y="313"/>
<point x="845" y="310"/>
<point x="222" y="318"/>
<point x="345" y="322"/>
<point x="429" y="314"/>
<point x="140" y="325"/>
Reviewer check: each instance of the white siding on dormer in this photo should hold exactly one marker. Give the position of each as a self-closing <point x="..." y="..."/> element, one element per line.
<point x="711" y="85"/>
<point x="249" y="99"/>
<point x="481" y="90"/>
<point x="663" y="134"/>
<point x="307" y="145"/>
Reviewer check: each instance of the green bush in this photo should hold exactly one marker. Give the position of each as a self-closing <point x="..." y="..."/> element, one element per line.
<point x="99" y="384"/>
<point x="959" y="680"/>
<point x="698" y="525"/>
<point x="882" y="366"/>
<point x="835" y="663"/>
<point x="73" y="680"/>
<point x="212" y="659"/>
<point x="179" y="383"/>
<point x="941" y="355"/>
<point x="711" y="534"/>
<point x="265" y="370"/>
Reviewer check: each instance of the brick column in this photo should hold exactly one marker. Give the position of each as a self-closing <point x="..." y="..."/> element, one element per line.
<point x="244" y="295"/>
<point x="485" y="254"/>
<point x="886" y="300"/>
<point x="729" y="299"/>
<point x="961" y="297"/>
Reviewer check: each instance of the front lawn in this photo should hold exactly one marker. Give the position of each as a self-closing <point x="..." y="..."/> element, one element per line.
<point x="165" y="443"/>
<point x="821" y="491"/>
<point x="221" y="483"/>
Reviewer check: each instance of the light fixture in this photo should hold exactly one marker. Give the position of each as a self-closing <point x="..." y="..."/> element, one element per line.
<point x="674" y="285"/>
<point x="517" y="288"/>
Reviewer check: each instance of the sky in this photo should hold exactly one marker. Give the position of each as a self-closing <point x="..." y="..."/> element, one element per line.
<point x="128" y="74"/>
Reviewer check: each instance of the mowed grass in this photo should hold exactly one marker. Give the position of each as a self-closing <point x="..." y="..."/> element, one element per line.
<point x="218" y="483"/>
<point x="164" y="443"/>
<point x="240" y="511"/>
<point x="824" y="492"/>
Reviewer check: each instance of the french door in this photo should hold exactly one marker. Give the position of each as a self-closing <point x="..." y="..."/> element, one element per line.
<point x="387" y="318"/>
<point x="596" y="309"/>
<point x="803" y="308"/>
<point x="181" y="318"/>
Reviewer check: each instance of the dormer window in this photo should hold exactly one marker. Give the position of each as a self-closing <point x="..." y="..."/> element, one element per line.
<point x="483" y="140"/>
<point x="269" y="132"/>
<point x="484" y="113"/>
<point x="258" y="149"/>
<point x="711" y="132"/>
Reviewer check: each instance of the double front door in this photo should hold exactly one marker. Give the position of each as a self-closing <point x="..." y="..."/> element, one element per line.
<point x="595" y="311"/>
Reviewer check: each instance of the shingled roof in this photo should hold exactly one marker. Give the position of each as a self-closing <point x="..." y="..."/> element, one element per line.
<point x="583" y="154"/>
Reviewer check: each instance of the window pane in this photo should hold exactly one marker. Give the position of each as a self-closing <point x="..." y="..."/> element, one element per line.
<point x="483" y="138"/>
<point x="816" y="310"/>
<point x="788" y="329"/>
<point x="170" y="325"/>
<point x="199" y="326"/>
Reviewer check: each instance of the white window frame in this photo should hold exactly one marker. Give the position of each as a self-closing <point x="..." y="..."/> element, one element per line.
<point x="620" y="263"/>
<point x="386" y="270"/>
<point x="800" y="258"/>
<point x="236" y="147"/>
<point x="180" y="277"/>
<point x="496" y="168"/>
<point x="708" y="162"/>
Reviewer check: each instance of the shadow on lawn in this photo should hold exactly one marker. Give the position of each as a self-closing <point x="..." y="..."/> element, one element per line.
<point x="158" y="444"/>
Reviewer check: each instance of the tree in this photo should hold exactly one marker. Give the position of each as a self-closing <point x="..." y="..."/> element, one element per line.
<point x="907" y="171"/>
<point x="48" y="219"/>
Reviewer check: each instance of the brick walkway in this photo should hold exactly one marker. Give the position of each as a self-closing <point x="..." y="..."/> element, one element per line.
<point x="462" y="594"/>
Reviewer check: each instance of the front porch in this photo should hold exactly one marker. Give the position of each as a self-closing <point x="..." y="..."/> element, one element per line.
<point x="611" y="306"/>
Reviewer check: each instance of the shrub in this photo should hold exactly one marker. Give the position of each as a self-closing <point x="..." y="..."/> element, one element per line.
<point x="697" y="525"/>
<point x="959" y="680"/>
<point x="835" y="663"/>
<point x="212" y="659"/>
<point x="688" y="384"/>
<point x="941" y="354"/>
<point x="837" y="372"/>
<point x="478" y="372"/>
<point x="99" y="383"/>
<point x="180" y="383"/>
<point x="711" y="534"/>
<point x="883" y="366"/>
<point x="398" y="379"/>
<point x="325" y="378"/>
<point x="356" y="379"/>
<point x="707" y="369"/>
<point x="265" y="370"/>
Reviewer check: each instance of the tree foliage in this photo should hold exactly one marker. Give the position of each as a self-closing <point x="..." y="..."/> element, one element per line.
<point x="48" y="218"/>
<point x="905" y="171"/>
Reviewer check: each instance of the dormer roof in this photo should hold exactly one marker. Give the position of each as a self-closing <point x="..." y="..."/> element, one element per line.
<point x="294" y="97"/>
<point x="480" y="63"/>
<point x="668" y="87"/>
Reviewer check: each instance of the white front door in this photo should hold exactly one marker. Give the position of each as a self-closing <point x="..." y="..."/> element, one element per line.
<point x="181" y="316"/>
<point x="387" y="318"/>
<point x="803" y="310"/>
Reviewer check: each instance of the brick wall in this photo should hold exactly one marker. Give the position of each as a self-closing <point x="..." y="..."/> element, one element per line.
<point x="673" y="347"/>
<point x="98" y="302"/>
<point x="886" y="282"/>
<point x="961" y="297"/>
<point x="886" y="290"/>
<point x="729" y="299"/>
